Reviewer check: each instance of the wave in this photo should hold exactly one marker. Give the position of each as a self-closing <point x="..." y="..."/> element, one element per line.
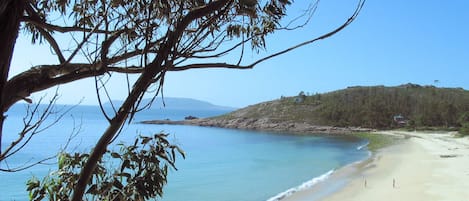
<point x="363" y="146"/>
<point x="303" y="186"/>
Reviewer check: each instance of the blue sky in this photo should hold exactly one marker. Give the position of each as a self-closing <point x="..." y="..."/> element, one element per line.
<point x="391" y="43"/>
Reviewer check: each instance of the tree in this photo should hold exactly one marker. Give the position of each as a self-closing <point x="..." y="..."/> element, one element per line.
<point x="464" y="122"/>
<point x="148" y="38"/>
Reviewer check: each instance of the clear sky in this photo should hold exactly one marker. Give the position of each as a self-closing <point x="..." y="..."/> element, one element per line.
<point x="391" y="43"/>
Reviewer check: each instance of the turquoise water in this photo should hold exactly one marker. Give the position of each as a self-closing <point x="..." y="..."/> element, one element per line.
<point x="221" y="164"/>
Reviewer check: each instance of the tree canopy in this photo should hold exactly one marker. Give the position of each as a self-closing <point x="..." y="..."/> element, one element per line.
<point x="145" y="37"/>
<point x="377" y="107"/>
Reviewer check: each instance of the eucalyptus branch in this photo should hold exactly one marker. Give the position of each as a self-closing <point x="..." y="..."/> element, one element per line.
<point x="53" y="44"/>
<point x="45" y="76"/>
<point x="209" y="65"/>
<point x="237" y="66"/>
<point x="142" y="84"/>
<point x="107" y="44"/>
<point x="34" y="124"/>
<point x="27" y="165"/>
<point x="148" y="38"/>
<point x="100" y="103"/>
<point x="150" y="47"/>
<point x="308" y="13"/>
<point x="327" y="35"/>
<point x="80" y="45"/>
<point x="61" y="29"/>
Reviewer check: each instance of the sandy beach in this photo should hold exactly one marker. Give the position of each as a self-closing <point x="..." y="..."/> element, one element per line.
<point x="424" y="166"/>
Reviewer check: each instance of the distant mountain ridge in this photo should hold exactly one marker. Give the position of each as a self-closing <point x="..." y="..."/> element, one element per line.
<point x="175" y="103"/>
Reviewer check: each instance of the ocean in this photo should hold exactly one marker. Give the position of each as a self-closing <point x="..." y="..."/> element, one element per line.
<point x="220" y="165"/>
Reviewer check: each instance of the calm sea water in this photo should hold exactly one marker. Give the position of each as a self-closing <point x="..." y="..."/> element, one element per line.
<point x="221" y="164"/>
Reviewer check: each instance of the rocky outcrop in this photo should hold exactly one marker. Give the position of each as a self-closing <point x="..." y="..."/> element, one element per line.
<point x="264" y="124"/>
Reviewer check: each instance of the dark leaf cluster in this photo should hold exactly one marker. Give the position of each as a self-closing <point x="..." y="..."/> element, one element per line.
<point x="375" y="107"/>
<point x="379" y="107"/>
<point x="140" y="173"/>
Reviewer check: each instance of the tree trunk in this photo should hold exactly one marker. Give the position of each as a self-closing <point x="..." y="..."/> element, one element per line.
<point x="158" y="66"/>
<point x="11" y="12"/>
<point x="115" y="124"/>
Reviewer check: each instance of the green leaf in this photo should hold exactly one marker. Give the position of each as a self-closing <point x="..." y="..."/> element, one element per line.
<point x="115" y="155"/>
<point x="124" y="174"/>
<point x="93" y="189"/>
<point x="145" y="140"/>
<point x="183" y="154"/>
<point x="125" y="164"/>
<point x="61" y="161"/>
<point x="32" y="184"/>
<point x="117" y="184"/>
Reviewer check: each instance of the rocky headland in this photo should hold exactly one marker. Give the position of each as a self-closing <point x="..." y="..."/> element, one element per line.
<point x="354" y="109"/>
<point x="263" y="124"/>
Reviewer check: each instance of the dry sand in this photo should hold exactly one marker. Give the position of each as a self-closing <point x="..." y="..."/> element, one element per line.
<point x="426" y="166"/>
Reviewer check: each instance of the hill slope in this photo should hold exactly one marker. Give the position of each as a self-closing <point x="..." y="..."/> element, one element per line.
<point x="370" y="107"/>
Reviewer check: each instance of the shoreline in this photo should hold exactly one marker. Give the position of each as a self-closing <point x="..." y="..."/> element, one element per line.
<point x="263" y="124"/>
<point x="336" y="180"/>
<point x="424" y="166"/>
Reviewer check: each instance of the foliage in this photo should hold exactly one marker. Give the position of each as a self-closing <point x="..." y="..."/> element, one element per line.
<point x="98" y="38"/>
<point x="375" y="106"/>
<point x="464" y="130"/>
<point x="371" y="107"/>
<point x="140" y="174"/>
<point x="464" y="121"/>
<point x="93" y="38"/>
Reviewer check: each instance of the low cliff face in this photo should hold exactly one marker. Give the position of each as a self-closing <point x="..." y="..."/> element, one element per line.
<point x="263" y="124"/>
<point x="266" y="124"/>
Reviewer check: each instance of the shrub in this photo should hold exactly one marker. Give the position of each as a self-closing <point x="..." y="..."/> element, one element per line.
<point x="140" y="174"/>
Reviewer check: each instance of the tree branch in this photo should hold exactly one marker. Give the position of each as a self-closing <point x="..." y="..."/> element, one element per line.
<point x="327" y="35"/>
<point x="80" y="45"/>
<point x="140" y="86"/>
<point x="234" y="66"/>
<point x="45" y="76"/>
<point x="106" y="44"/>
<point x="53" y="43"/>
<point x="35" y="122"/>
<point x="126" y="70"/>
<point x="209" y="65"/>
<point x="61" y="29"/>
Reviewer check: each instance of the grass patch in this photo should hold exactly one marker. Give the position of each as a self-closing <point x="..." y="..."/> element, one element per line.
<point x="461" y="134"/>
<point x="377" y="141"/>
<point x="464" y="130"/>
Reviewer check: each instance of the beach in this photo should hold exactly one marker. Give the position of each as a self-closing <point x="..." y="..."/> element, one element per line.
<point x="423" y="166"/>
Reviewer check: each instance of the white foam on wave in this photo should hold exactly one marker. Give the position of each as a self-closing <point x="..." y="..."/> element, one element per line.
<point x="303" y="186"/>
<point x="363" y="146"/>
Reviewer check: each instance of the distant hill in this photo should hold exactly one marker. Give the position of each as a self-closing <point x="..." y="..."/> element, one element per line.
<point x="171" y="103"/>
<point x="362" y="106"/>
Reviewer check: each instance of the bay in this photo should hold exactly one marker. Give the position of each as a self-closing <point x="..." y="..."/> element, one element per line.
<point x="221" y="164"/>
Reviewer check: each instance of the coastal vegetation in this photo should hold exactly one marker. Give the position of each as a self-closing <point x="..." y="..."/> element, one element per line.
<point x="377" y="141"/>
<point x="374" y="107"/>
<point x="97" y="39"/>
<point x="141" y="174"/>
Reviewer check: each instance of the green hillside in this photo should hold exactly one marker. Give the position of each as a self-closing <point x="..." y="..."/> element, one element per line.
<point x="371" y="107"/>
